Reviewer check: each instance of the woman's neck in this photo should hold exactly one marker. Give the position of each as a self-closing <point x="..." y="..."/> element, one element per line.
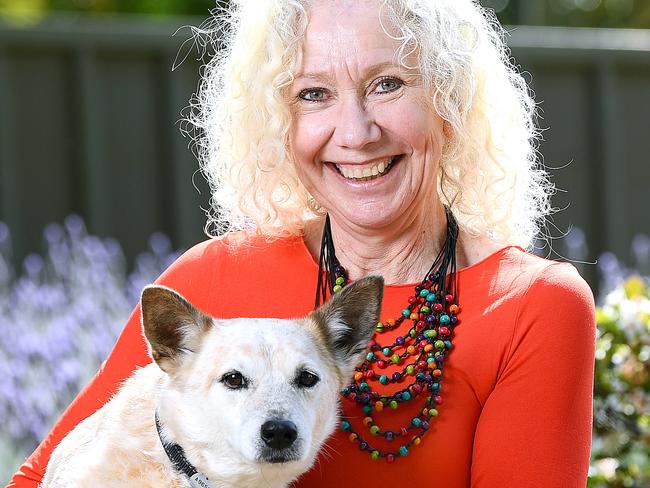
<point x="401" y="253"/>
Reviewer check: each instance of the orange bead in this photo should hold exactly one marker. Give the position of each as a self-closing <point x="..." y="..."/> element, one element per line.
<point x="436" y="372"/>
<point x="367" y="421"/>
<point x="432" y="365"/>
<point x="353" y="437"/>
<point x="358" y="376"/>
<point x="390" y="322"/>
<point x="454" y="308"/>
<point x="414" y="316"/>
<point x="411" y="350"/>
<point x="379" y="406"/>
<point x="427" y="348"/>
<point x="416" y="441"/>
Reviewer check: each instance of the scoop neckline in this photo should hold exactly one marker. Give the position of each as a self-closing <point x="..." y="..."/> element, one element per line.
<point x="463" y="271"/>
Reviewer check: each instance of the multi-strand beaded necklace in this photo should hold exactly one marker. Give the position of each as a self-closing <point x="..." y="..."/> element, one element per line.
<point x="419" y="353"/>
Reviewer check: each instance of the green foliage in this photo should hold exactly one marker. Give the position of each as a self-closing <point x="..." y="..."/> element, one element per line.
<point x="577" y="13"/>
<point x="621" y="447"/>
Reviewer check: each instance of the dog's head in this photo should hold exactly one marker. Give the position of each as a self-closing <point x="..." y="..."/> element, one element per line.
<point x="257" y="392"/>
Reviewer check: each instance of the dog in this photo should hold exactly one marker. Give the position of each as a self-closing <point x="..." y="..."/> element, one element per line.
<point x="240" y="402"/>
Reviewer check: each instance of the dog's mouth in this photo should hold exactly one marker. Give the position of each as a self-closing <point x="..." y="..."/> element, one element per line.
<point x="277" y="456"/>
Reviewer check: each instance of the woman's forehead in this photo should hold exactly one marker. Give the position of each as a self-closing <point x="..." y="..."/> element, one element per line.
<point x="345" y="33"/>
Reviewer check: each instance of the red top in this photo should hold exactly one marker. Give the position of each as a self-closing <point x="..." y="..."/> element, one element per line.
<point x="517" y="388"/>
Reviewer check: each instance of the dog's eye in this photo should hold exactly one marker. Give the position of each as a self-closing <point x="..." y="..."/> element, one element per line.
<point x="234" y="380"/>
<point x="307" y="379"/>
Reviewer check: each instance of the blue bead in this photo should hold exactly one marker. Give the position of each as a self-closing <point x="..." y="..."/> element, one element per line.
<point x="389" y="436"/>
<point x="363" y="387"/>
<point x="363" y="446"/>
<point x="399" y="340"/>
<point x="443" y="319"/>
<point x="431" y="297"/>
<point x="406" y="396"/>
<point x="386" y="351"/>
<point x="424" y="293"/>
<point x="345" y="425"/>
<point x="406" y="313"/>
<point x="425" y="425"/>
<point x="370" y="356"/>
<point x="448" y="344"/>
<point x="383" y="379"/>
<point x="416" y="422"/>
<point x="434" y="387"/>
<point x="345" y="391"/>
<point x="403" y="451"/>
<point x="397" y="376"/>
<point x="367" y="409"/>
<point x="454" y="320"/>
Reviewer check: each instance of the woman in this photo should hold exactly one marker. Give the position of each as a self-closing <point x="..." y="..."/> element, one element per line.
<point x="405" y="124"/>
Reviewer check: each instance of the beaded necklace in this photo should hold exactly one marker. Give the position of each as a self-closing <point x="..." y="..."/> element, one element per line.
<point x="420" y="352"/>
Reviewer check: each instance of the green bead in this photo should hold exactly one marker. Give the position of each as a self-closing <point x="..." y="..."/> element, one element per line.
<point x="433" y="412"/>
<point x="403" y="451"/>
<point x="416" y="422"/>
<point x="393" y="404"/>
<point x="448" y="344"/>
<point x="406" y="313"/>
<point x="413" y="333"/>
<point x="443" y="319"/>
<point x="370" y="356"/>
<point x="425" y="309"/>
<point x="386" y="351"/>
<point x="383" y="379"/>
<point x="345" y="425"/>
<point x="424" y="293"/>
<point x="367" y="409"/>
<point x="431" y="297"/>
<point x="379" y="327"/>
<point x="337" y="288"/>
<point x="340" y="280"/>
<point x="406" y="396"/>
<point x="374" y="430"/>
<point x="364" y="386"/>
<point x="439" y="345"/>
<point x="395" y="358"/>
<point x="410" y="370"/>
<point x="431" y="334"/>
<point x="374" y="455"/>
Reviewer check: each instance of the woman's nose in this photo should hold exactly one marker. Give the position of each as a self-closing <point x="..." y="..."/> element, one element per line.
<point x="355" y="126"/>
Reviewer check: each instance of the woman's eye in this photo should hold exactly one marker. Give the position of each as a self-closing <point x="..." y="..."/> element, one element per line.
<point x="307" y="379"/>
<point x="313" y="94"/>
<point x="388" y="85"/>
<point x="234" y="380"/>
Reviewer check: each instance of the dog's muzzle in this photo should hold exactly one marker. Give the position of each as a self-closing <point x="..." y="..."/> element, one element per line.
<point x="279" y="437"/>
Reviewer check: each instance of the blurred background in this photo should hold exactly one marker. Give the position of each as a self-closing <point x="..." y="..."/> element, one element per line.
<point x="99" y="189"/>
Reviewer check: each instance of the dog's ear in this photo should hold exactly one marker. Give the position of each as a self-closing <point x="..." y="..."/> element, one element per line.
<point x="349" y="319"/>
<point x="172" y="325"/>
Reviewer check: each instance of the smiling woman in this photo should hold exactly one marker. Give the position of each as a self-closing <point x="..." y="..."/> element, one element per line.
<point x="352" y="137"/>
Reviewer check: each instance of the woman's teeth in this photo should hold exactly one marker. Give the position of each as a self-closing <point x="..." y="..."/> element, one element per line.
<point x="369" y="172"/>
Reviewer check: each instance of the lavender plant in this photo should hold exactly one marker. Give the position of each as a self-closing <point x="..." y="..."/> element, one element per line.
<point x="59" y="316"/>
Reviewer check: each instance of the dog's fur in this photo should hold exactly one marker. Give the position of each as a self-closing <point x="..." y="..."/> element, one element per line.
<point x="218" y="427"/>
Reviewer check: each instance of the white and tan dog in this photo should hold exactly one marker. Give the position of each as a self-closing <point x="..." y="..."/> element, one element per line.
<point x="248" y="402"/>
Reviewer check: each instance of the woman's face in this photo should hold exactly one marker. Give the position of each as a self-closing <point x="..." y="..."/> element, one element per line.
<point x="366" y="142"/>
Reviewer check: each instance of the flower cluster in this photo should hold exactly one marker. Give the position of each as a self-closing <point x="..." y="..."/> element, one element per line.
<point x="59" y="317"/>
<point x="621" y="443"/>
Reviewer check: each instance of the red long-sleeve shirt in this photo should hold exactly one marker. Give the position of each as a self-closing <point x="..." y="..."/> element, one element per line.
<point x="517" y="388"/>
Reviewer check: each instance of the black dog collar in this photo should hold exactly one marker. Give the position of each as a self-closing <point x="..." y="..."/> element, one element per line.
<point x="177" y="457"/>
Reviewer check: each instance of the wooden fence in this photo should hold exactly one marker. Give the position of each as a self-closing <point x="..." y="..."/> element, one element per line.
<point x="89" y="112"/>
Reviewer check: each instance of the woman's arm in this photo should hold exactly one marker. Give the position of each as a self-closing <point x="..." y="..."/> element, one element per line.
<point x="535" y="427"/>
<point x="185" y="275"/>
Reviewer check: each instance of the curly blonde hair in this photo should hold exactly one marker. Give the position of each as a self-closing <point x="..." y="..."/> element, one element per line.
<point x="490" y="174"/>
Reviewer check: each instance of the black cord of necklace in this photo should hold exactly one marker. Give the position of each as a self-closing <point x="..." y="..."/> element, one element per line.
<point x="327" y="264"/>
<point x="444" y="263"/>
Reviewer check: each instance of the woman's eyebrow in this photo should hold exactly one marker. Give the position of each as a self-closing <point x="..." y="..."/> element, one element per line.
<point x="368" y="72"/>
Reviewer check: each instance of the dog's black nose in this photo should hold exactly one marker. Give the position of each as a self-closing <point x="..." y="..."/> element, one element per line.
<point x="279" y="434"/>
